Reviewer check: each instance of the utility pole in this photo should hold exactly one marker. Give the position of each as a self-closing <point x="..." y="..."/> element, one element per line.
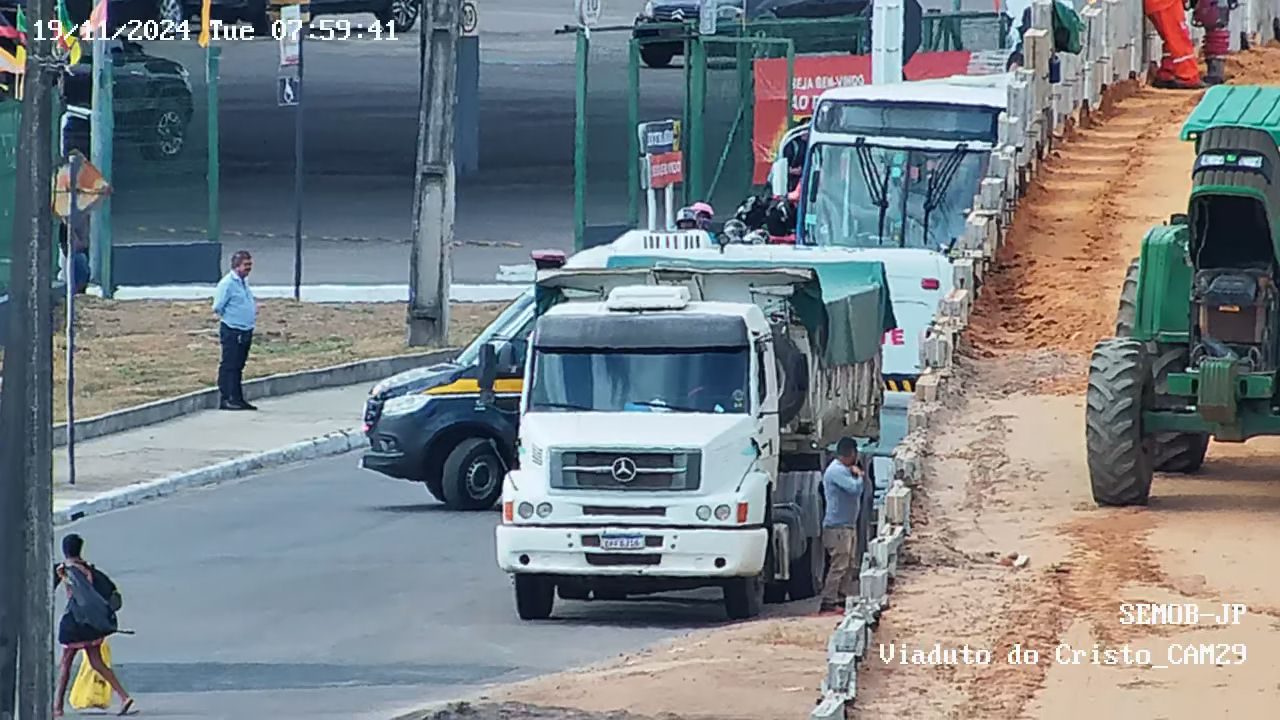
<point x="433" y="203"/>
<point x="26" y="413"/>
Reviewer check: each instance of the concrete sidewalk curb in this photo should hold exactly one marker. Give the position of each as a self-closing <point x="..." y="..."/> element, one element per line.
<point x="334" y="443"/>
<point x="159" y="411"/>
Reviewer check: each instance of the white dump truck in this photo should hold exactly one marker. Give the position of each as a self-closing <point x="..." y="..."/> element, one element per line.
<point x="675" y="424"/>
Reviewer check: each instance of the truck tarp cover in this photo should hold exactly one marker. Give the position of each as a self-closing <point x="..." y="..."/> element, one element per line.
<point x="849" y="306"/>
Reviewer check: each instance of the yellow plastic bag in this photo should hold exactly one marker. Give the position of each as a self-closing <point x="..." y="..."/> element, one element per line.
<point x="91" y="689"/>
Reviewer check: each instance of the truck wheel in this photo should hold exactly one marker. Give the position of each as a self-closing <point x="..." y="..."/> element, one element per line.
<point x="434" y="487"/>
<point x="807" y="571"/>
<point x="658" y="55"/>
<point x="1127" y="314"/>
<point x="1120" y="462"/>
<point x="573" y="591"/>
<point x="535" y="596"/>
<point x="744" y="597"/>
<point x="472" y="476"/>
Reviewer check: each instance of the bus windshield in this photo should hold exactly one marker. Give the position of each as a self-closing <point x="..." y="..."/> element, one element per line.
<point x="862" y="195"/>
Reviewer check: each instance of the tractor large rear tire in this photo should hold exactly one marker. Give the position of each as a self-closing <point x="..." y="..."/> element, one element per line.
<point x="1120" y="462"/>
<point x="1127" y="313"/>
<point x="1173" y="452"/>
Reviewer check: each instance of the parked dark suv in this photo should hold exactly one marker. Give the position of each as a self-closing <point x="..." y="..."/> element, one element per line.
<point x="153" y="103"/>
<point x="660" y="19"/>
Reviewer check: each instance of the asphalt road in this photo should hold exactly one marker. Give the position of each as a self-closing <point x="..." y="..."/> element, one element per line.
<point x="324" y="591"/>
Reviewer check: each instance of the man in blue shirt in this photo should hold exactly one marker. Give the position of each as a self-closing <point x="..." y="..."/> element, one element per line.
<point x="234" y="304"/>
<point x="842" y="488"/>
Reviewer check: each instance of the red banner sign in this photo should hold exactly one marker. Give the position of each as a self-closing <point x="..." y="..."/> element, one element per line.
<point x="665" y="169"/>
<point x="815" y="74"/>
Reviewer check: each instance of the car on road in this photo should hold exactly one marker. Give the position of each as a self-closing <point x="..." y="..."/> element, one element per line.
<point x="660" y="25"/>
<point x="153" y="101"/>
<point x="397" y="15"/>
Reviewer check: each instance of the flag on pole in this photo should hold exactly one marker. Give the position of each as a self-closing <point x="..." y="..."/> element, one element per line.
<point x="97" y="22"/>
<point x="9" y="63"/>
<point x="66" y="35"/>
<point x="21" y="54"/>
<point x="9" y="32"/>
<point x="205" y="11"/>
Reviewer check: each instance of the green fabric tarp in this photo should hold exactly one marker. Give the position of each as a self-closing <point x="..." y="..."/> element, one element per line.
<point x="848" y="308"/>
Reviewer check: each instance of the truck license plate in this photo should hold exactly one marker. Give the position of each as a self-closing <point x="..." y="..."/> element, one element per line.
<point x="622" y="542"/>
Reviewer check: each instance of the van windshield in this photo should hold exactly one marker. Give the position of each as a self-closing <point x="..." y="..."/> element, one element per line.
<point x="513" y="324"/>
<point x="869" y="196"/>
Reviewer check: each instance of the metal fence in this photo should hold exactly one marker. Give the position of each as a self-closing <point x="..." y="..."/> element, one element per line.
<point x="713" y="85"/>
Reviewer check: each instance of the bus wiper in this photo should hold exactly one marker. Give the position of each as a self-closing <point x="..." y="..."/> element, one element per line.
<point x="939" y="182"/>
<point x="878" y="186"/>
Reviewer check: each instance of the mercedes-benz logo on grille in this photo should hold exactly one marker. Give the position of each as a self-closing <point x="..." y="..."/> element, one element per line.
<point x="624" y="469"/>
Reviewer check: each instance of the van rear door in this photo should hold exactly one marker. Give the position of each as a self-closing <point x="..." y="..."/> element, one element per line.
<point x="902" y="344"/>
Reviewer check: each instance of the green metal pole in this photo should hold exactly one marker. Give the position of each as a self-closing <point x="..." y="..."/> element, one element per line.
<point x="580" y="142"/>
<point x="633" y="139"/>
<point x="102" y="133"/>
<point x="213" y="175"/>
<point x="791" y="83"/>
<point x="686" y="113"/>
<point x="55" y="113"/>
<point x="697" y="117"/>
<point x="745" y="130"/>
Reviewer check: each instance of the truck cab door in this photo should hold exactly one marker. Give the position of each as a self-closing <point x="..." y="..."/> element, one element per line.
<point x="766" y="407"/>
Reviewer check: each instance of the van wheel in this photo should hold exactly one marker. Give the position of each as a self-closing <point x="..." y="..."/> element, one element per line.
<point x="472" y="476"/>
<point x="435" y="488"/>
<point x="535" y="597"/>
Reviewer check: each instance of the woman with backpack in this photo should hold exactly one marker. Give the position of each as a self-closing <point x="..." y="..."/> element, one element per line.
<point x="92" y="601"/>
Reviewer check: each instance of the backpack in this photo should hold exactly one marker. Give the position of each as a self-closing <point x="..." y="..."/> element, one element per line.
<point x="87" y="606"/>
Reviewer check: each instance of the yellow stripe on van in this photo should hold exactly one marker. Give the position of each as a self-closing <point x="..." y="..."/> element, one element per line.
<point x="465" y="386"/>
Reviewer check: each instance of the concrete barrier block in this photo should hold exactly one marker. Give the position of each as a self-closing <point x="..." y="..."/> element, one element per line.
<point x="884" y="554"/>
<point x="842" y="674"/>
<point x="938" y="346"/>
<point x="907" y="467"/>
<point x="897" y="505"/>
<point x="850" y="636"/>
<point x="955" y="306"/>
<point x="927" y="387"/>
<point x="831" y="707"/>
<point x="962" y="275"/>
<point x="874" y="585"/>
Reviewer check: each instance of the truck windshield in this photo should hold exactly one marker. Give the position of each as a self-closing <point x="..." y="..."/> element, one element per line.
<point x="695" y="381"/>
<point x="513" y="323"/>
<point x="869" y="196"/>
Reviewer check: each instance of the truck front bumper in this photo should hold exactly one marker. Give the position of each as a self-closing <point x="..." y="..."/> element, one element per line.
<point x="668" y="552"/>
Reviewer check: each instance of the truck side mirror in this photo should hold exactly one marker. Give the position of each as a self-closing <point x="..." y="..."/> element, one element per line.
<point x="488" y="372"/>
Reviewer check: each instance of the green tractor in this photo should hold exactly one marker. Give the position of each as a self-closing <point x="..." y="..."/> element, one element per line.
<point x="1197" y="348"/>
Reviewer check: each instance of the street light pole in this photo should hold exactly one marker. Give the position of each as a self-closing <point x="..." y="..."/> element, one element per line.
<point x="26" y="413"/>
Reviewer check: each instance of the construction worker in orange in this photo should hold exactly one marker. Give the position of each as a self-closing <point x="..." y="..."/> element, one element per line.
<point x="1178" y="67"/>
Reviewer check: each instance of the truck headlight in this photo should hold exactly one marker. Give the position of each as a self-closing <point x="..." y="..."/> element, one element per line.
<point x="525" y="510"/>
<point x="404" y="404"/>
<point x="722" y="512"/>
<point x="704" y="512"/>
<point x="544" y="509"/>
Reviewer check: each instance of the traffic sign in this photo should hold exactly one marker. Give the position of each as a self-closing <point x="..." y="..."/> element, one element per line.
<point x="470" y="19"/>
<point x="288" y="91"/>
<point x="290" y="35"/>
<point x="588" y="12"/>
